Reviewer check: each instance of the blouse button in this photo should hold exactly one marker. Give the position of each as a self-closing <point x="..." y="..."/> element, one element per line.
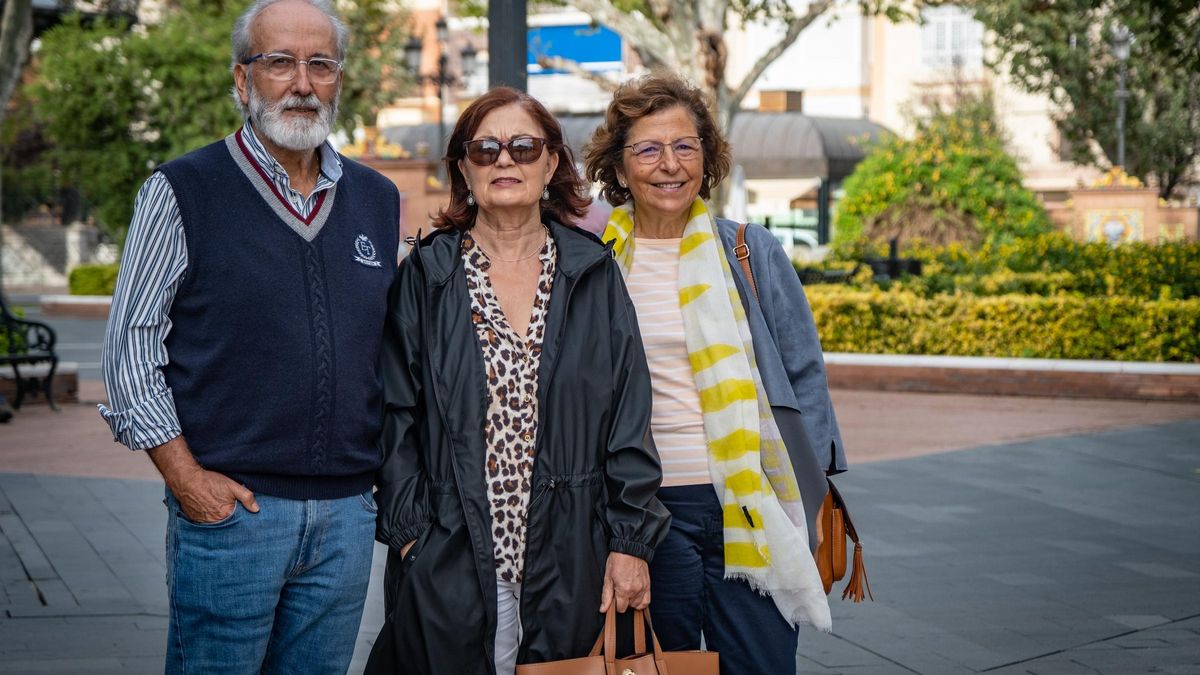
<point x="527" y="437"/>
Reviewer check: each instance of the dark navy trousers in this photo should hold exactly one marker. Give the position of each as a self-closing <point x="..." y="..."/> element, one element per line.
<point x="690" y="596"/>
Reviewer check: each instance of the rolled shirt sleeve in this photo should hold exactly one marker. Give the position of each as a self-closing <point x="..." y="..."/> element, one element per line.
<point x="141" y="410"/>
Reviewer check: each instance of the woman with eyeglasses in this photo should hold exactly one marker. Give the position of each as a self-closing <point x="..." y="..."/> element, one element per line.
<point x="516" y="496"/>
<point x="741" y="413"/>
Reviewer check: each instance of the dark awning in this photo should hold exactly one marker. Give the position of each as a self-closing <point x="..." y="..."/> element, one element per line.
<point x="767" y="145"/>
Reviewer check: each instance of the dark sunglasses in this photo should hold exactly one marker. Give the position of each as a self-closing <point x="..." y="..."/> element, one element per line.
<point x="522" y="149"/>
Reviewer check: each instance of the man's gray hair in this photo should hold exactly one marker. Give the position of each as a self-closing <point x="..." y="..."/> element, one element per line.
<point x="241" y="29"/>
<point x="241" y="35"/>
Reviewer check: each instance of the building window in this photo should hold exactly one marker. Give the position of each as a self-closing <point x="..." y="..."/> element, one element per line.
<point x="951" y="38"/>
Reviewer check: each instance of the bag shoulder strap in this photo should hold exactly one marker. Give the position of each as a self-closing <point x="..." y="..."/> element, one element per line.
<point x="742" y="251"/>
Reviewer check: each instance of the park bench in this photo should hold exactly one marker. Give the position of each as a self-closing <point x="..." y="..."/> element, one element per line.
<point x="27" y="343"/>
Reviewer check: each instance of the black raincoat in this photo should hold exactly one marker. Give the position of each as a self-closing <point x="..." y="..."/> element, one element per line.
<point x="594" y="477"/>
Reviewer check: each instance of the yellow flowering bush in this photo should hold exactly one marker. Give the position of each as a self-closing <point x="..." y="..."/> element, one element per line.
<point x="1046" y="264"/>
<point x="1054" y="263"/>
<point x="899" y="321"/>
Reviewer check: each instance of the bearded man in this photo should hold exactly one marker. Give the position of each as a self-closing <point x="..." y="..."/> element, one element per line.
<point x="242" y="355"/>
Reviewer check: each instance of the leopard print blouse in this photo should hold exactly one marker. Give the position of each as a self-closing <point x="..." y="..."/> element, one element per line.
<point x="510" y="428"/>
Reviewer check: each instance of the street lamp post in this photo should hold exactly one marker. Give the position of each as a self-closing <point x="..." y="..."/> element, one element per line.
<point x="1122" y="38"/>
<point x="442" y="78"/>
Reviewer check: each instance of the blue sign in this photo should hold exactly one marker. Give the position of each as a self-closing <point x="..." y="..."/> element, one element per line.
<point x="596" y="48"/>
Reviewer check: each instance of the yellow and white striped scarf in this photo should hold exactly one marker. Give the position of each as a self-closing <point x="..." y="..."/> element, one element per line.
<point x="766" y="536"/>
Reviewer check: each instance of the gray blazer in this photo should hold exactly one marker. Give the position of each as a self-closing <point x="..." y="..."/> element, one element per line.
<point x="785" y="339"/>
<point x="790" y="361"/>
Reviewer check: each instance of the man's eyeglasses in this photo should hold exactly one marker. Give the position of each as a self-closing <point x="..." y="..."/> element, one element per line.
<point x="522" y="149"/>
<point x="283" y="67"/>
<point x="650" y="152"/>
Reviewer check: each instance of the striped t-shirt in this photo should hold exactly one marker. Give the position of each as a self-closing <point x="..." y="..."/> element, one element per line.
<point x="677" y="423"/>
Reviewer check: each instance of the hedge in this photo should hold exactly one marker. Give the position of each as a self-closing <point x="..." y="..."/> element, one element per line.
<point x="1117" y="328"/>
<point x="93" y="279"/>
<point x="1047" y="264"/>
<point x="1147" y="270"/>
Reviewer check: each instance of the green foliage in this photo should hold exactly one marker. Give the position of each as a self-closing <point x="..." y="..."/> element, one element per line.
<point x="26" y="177"/>
<point x="1046" y="264"/>
<point x="116" y="102"/>
<point x="374" y="71"/>
<point x="1055" y="263"/>
<point x="93" y="279"/>
<point x="1065" y="327"/>
<point x="952" y="181"/>
<point x="1063" y="50"/>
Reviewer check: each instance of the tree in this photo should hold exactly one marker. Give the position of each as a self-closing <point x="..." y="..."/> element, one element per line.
<point x="16" y="33"/>
<point x="1063" y="50"/>
<point x="16" y="30"/>
<point x="115" y="102"/>
<point x="687" y="36"/>
<point x="951" y="182"/>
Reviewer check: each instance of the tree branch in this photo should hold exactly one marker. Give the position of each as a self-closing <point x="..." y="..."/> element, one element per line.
<point x="573" y="67"/>
<point x="633" y="26"/>
<point x="16" y="30"/>
<point x="794" y="28"/>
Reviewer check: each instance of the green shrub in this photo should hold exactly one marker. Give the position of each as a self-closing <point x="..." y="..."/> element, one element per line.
<point x="93" y="279"/>
<point x="18" y="345"/>
<point x="1118" y="328"/>
<point x="1046" y="264"/>
<point x="1057" y="263"/>
<point x="952" y="181"/>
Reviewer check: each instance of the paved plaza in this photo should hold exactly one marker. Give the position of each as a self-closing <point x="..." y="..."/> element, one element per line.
<point x="1003" y="535"/>
<point x="1074" y="554"/>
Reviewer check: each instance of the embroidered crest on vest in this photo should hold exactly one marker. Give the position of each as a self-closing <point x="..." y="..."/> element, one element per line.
<point x="366" y="252"/>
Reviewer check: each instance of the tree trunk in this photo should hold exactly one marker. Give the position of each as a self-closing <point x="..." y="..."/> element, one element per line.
<point x="16" y="30"/>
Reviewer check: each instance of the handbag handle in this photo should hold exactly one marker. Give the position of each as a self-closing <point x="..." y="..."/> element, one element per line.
<point x="606" y="642"/>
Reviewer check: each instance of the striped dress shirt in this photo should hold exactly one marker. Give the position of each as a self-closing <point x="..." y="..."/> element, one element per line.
<point x="141" y="410"/>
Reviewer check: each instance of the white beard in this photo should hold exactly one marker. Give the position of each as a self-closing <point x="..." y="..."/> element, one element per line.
<point x="292" y="133"/>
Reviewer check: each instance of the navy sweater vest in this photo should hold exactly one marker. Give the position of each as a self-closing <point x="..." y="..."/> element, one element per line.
<point x="274" y="344"/>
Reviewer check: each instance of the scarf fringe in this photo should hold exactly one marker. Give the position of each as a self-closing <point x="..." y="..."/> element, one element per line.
<point x="805" y="607"/>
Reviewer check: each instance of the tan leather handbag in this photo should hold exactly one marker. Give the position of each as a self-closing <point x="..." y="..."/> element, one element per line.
<point x="833" y="526"/>
<point x="833" y="519"/>
<point x="602" y="659"/>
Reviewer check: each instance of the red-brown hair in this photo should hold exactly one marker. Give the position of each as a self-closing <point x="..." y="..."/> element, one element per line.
<point x="568" y="197"/>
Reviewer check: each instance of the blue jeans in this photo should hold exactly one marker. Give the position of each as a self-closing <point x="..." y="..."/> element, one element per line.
<point x="278" y="591"/>
<point x="691" y="594"/>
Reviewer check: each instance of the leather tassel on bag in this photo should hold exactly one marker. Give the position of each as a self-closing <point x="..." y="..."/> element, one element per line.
<point x="858" y="579"/>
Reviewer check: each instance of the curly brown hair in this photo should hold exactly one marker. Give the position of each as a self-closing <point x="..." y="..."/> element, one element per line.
<point x="641" y="97"/>
<point x="568" y="201"/>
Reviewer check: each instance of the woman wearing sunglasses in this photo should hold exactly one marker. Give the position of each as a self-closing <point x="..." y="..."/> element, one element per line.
<point x="517" y="492"/>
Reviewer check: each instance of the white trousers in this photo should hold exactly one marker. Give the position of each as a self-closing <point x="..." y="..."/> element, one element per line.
<point x="508" y="626"/>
